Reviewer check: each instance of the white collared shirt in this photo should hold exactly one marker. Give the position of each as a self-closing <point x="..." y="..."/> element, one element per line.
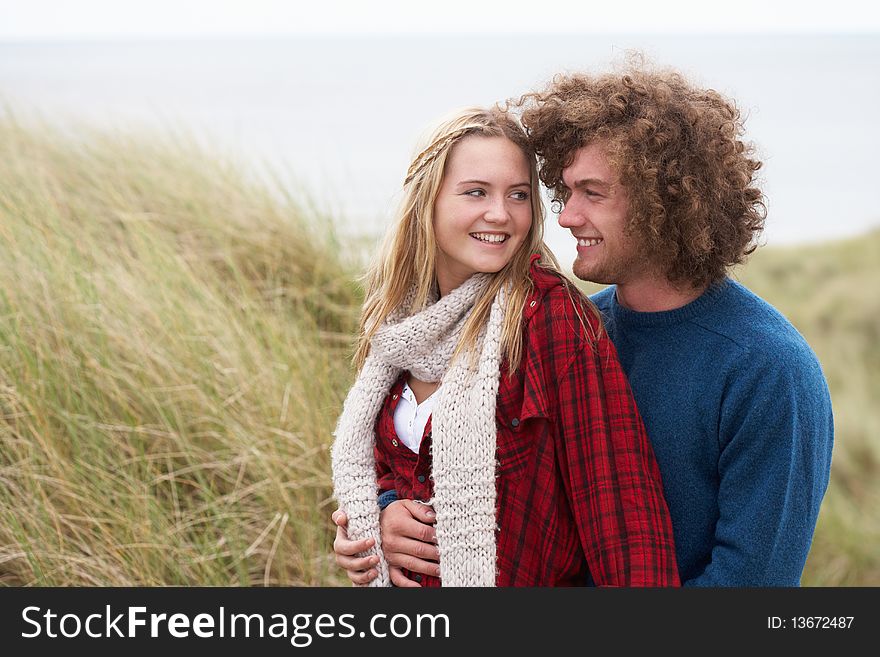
<point x="410" y="417"/>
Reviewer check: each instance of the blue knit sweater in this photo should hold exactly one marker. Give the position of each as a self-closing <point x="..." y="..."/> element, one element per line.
<point x="739" y="415"/>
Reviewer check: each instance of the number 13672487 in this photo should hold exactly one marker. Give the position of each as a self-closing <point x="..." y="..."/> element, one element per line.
<point x="810" y="622"/>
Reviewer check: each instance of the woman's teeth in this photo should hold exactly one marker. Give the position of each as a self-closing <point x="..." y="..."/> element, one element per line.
<point x="491" y="238"/>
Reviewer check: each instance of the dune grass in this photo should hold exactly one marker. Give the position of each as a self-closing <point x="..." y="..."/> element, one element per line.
<point x="174" y="351"/>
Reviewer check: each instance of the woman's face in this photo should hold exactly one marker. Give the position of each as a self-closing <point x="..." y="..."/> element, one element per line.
<point x="483" y="210"/>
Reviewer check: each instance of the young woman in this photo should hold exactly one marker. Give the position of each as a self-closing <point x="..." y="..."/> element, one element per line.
<point x="487" y="388"/>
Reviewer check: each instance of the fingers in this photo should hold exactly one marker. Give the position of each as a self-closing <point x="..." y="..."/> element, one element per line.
<point x="414" y="564"/>
<point x="408" y="541"/>
<point x="401" y="580"/>
<point x="421" y="511"/>
<point x="362" y="578"/>
<point x="356" y="564"/>
<point x="359" y="570"/>
<point x="353" y="565"/>
<point x="411" y="548"/>
<point x="339" y="518"/>
<point x="343" y="546"/>
<point x="398" y="520"/>
<point x="395" y="531"/>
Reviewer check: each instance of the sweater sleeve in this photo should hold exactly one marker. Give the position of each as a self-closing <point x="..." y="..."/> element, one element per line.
<point x="775" y="457"/>
<point x="612" y="476"/>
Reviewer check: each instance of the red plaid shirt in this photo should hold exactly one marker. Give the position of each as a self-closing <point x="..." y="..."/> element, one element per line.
<point x="578" y="488"/>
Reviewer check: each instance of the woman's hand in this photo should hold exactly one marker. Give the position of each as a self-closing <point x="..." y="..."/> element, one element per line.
<point x="408" y="541"/>
<point x="360" y="570"/>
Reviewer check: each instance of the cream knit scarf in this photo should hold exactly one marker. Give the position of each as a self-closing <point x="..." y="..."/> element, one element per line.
<point x="463" y="431"/>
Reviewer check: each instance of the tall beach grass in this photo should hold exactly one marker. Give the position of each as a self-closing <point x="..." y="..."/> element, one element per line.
<point x="174" y="351"/>
<point x="174" y="348"/>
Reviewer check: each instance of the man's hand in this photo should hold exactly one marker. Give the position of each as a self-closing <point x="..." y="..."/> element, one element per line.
<point x="408" y="541"/>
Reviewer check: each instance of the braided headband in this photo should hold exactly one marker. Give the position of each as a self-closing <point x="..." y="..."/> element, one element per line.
<point x="431" y="152"/>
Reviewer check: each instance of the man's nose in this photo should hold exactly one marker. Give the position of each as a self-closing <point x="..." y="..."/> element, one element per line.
<point x="570" y="216"/>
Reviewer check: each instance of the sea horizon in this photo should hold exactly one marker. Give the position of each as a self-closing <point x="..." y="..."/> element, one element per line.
<point x="340" y="116"/>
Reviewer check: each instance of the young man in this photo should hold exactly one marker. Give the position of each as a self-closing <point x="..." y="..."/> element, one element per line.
<point x="659" y="192"/>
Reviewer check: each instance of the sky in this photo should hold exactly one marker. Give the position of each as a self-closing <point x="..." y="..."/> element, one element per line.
<point x="115" y="19"/>
<point x="119" y="63"/>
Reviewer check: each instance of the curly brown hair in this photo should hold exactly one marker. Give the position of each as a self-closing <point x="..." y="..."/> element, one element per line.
<point x="689" y="178"/>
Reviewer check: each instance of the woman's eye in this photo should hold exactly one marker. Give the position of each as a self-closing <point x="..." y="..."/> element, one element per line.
<point x="521" y="196"/>
<point x="475" y="192"/>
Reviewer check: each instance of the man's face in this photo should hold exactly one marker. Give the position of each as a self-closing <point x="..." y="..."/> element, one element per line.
<point x="597" y="213"/>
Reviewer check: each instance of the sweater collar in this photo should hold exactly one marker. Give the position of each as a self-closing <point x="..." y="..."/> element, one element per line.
<point x="626" y="317"/>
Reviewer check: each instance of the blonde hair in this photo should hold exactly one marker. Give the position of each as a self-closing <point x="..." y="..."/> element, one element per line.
<point x="407" y="256"/>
